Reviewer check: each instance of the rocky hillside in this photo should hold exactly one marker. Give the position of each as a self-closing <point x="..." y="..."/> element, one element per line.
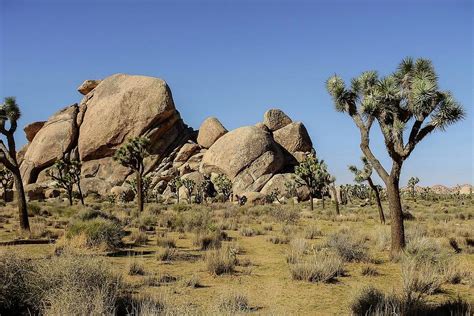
<point x="256" y="158"/>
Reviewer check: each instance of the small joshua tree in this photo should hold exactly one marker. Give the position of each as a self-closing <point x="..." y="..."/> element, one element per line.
<point x="409" y="96"/>
<point x="174" y="185"/>
<point x="131" y="155"/>
<point x="223" y="186"/>
<point x="365" y="174"/>
<point x="291" y="189"/>
<point x="146" y="184"/>
<point x="412" y="182"/>
<point x="332" y="187"/>
<point x="6" y="181"/>
<point x="314" y="175"/>
<point x="66" y="173"/>
<point x="10" y="112"/>
<point x="189" y="185"/>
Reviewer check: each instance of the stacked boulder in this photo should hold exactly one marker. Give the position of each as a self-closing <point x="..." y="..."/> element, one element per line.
<point x="257" y="159"/>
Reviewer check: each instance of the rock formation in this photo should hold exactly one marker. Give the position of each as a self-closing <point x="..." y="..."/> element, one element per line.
<point x="256" y="158"/>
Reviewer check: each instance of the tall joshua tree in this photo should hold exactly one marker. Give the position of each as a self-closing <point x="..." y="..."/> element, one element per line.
<point x="412" y="182"/>
<point x="409" y="96"/>
<point x="131" y="155"/>
<point x="365" y="174"/>
<point x="10" y="112"/>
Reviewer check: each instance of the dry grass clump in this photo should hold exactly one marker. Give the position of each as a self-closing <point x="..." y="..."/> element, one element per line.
<point x="135" y="268"/>
<point x="221" y="261"/>
<point x="368" y="270"/>
<point x="208" y="240"/>
<point x="311" y="232"/>
<point x="297" y="249"/>
<point x="233" y="303"/>
<point x="167" y="254"/>
<point x="349" y="247"/>
<point x="166" y="242"/>
<point x="249" y="232"/>
<point x="98" y="232"/>
<point x="278" y="239"/>
<point x="192" y="282"/>
<point x="139" y="237"/>
<point x="320" y="267"/>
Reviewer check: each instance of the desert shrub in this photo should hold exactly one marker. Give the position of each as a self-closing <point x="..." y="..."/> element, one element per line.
<point x="89" y="214"/>
<point x="146" y="305"/>
<point x="348" y="246"/>
<point x="139" y="237"/>
<point x="367" y="300"/>
<point x="278" y="239"/>
<point x="166" y="254"/>
<point x="311" y="232"/>
<point x="98" y="232"/>
<point x="296" y="250"/>
<point x="288" y="215"/>
<point x="369" y="271"/>
<point x="15" y="287"/>
<point x="135" y="268"/>
<point x="249" y="232"/>
<point x="233" y="303"/>
<point x="320" y="267"/>
<point x="221" y="261"/>
<point x="73" y="285"/>
<point x="208" y="240"/>
<point x="166" y="242"/>
<point x="34" y="209"/>
<point x="192" y="282"/>
<point x="420" y="278"/>
<point x="423" y="249"/>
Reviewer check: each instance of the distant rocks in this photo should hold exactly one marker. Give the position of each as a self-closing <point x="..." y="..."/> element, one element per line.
<point x="275" y="119"/>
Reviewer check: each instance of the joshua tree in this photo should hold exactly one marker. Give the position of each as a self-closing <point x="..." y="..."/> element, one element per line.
<point x="66" y="173"/>
<point x="6" y="181"/>
<point x="174" y="185"/>
<point x="189" y="185"/>
<point x="131" y="155"/>
<point x="10" y="111"/>
<point x="412" y="182"/>
<point x="332" y="187"/>
<point x="146" y="184"/>
<point x="314" y="175"/>
<point x="365" y="174"/>
<point x="291" y="189"/>
<point x="409" y="96"/>
<point x="223" y="186"/>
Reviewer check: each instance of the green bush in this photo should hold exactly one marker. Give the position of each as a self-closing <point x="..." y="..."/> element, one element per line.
<point x="98" y="232"/>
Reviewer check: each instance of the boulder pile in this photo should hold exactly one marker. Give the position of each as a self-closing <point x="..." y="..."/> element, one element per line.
<point x="258" y="158"/>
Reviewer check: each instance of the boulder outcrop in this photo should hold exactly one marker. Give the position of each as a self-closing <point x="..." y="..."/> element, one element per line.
<point x="257" y="159"/>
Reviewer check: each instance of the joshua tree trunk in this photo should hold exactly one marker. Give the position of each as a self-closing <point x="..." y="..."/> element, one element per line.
<point x="139" y="192"/>
<point x="69" y="196"/>
<point x="311" y="201"/>
<point x="334" y="192"/>
<point x="22" y="206"/>
<point x="322" y="200"/>
<point x="81" y="197"/>
<point x="377" y="198"/>
<point x="396" y="214"/>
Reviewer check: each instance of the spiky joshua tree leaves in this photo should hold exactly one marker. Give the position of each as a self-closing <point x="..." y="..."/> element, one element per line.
<point x="409" y="96"/>
<point x="189" y="185"/>
<point x="67" y="173"/>
<point x="223" y="186"/>
<point x="412" y="182"/>
<point x="313" y="174"/>
<point x="10" y="113"/>
<point x="131" y="155"/>
<point x="365" y="174"/>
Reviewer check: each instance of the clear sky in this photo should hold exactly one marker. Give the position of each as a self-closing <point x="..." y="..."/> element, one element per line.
<point x="235" y="59"/>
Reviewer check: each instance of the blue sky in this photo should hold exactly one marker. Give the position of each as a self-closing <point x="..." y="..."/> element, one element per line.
<point x="236" y="59"/>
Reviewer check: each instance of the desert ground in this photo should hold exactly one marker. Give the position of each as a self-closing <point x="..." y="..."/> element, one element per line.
<point x="222" y="258"/>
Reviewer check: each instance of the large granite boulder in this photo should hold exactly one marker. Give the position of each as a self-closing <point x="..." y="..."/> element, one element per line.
<point x="277" y="182"/>
<point x="125" y="106"/>
<point x="294" y="138"/>
<point x="210" y="131"/>
<point x="275" y="119"/>
<point x="32" y="129"/>
<point x="247" y="155"/>
<point x="57" y="136"/>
